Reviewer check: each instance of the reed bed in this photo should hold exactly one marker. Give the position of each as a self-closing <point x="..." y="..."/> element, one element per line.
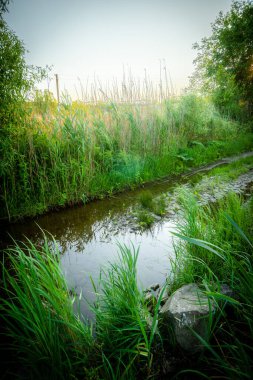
<point x="58" y="155"/>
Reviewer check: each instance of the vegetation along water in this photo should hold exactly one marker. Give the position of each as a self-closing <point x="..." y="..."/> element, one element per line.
<point x="128" y="199"/>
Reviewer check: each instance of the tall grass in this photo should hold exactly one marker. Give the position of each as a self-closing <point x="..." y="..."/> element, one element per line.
<point x="214" y="250"/>
<point x="73" y="152"/>
<point x="123" y="323"/>
<point x="46" y="339"/>
<point x="209" y="223"/>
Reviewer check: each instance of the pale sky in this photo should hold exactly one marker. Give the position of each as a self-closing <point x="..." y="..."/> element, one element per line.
<point x="80" y="38"/>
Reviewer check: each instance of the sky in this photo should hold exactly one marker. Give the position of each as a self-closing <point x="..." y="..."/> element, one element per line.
<point x="97" y="38"/>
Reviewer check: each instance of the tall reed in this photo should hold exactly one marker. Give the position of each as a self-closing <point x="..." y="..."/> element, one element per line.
<point x="56" y="156"/>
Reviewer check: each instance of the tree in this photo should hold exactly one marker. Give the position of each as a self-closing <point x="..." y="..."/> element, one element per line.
<point x="224" y="64"/>
<point x="16" y="77"/>
<point x="13" y="69"/>
<point x="16" y="80"/>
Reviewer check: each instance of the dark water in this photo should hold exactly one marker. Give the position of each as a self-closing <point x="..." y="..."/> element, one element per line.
<point x="88" y="239"/>
<point x="88" y="236"/>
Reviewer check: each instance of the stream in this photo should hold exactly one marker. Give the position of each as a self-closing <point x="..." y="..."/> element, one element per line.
<point x="88" y="235"/>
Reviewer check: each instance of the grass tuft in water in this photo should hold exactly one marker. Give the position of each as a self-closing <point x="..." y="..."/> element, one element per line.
<point x="146" y="199"/>
<point x="123" y="325"/>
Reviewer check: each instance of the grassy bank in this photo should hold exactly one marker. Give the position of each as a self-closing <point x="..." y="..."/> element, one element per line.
<point x="54" y="156"/>
<point x="214" y="251"/>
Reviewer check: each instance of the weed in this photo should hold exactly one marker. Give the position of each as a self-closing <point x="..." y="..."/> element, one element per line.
<point x="145" y="219"/>
<point x="208" y="223"/>
<point x="122" y="319"/>
<point x="160" y="205"/>
<point x="146" y="200"/>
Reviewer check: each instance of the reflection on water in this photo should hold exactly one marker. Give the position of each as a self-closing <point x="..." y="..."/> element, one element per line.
<point x="88" y="237"/>
<point x="153" y="262"/>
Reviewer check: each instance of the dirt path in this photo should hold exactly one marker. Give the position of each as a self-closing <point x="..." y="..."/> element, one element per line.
<point x="223" y="161"/>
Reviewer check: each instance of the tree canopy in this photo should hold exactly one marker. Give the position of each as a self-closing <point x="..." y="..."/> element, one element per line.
<point x="16" y="76"/>
<point x="224" y="64"/>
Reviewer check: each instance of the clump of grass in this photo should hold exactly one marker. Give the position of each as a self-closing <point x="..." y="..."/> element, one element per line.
<point x="146" y="199"/>
<point x="212" y="251"/>
<point x="150" y="206"/>
<point x="160" y="205"/>
<point x="208" y="223"/>
<point x="47" y="340"/>
<point x="145" y="219"/>
<point x="229" y="352"/>
<point x="123" y="324"/>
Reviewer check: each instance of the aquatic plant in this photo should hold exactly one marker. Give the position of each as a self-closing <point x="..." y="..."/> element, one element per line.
<point x="123" y="323"/>
<point x="144" y="218"/>
<point x="146" y="199"/>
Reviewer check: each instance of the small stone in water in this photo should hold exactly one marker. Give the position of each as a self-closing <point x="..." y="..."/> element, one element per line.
<point x="154" y="286"/>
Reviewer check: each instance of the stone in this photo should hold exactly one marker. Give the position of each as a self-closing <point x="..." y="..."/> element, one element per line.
<point x="227" y="291"/>
<point x="154" y="286"/>
<point x="150" y="301"/>
<point x="188" y="309"/>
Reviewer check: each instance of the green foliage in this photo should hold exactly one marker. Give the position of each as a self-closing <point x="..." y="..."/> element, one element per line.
<point x="233" y="170"/>
<point x="146" y="199"/>
<point x="229" y="352"/>
<point x="13" y="71"/>
<point x="16" y="77"/>
<point x="123" y="323"/>
<point x="46" y="339"/>
<point x="160" y="204"/>
<point x="145" y="219"/>
<point x="57" y="156"/>
<point x="44" y="103"/>
<point x="195" y="264"/>
<point x="224" y="61"/>
<point x="3" y="6"/>
<point x="149" y="207"/>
